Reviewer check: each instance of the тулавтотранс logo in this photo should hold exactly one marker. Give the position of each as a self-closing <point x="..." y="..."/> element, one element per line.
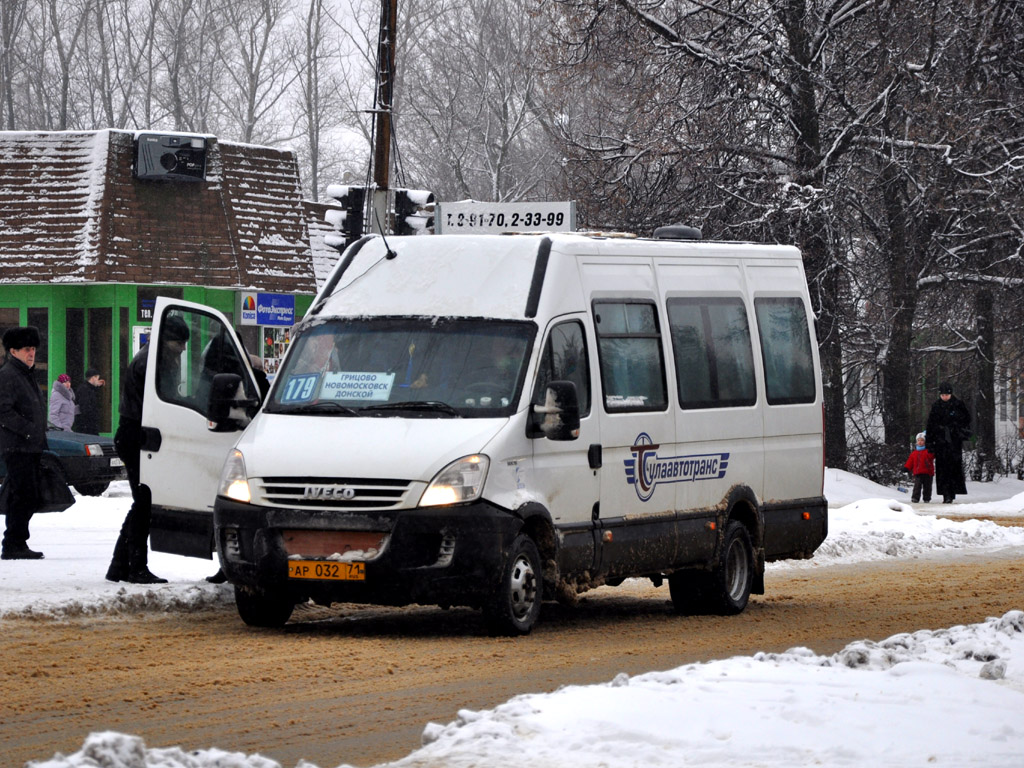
<point x="647" y="469"/>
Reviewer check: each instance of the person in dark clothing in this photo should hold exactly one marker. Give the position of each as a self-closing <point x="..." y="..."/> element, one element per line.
<point x="949" y="424"/>
<point x="88" y="395"/>
<point x="131" y="552"/>
<point x="22" y="439"/>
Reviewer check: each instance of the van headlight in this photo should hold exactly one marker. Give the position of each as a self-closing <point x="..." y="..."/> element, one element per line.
<point x="233" y="482"/>
<point x="462" y="480"/>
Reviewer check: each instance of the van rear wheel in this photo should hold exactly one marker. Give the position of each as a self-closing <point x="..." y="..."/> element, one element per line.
<point x="723" y="590"/>
<point x="731" y="579"/>
<point x="689" y="590"/>
<point x="515" y="605"/>
<point x="259" y="608"/>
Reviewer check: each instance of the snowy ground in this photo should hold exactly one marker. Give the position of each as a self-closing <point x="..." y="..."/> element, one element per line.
<point x="952" y="697"/>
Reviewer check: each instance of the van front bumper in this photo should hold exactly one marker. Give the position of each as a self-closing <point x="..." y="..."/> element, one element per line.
<point x="433" y="555"/>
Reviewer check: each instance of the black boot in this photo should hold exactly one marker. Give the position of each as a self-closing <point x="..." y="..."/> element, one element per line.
<point x="143" y="576"/>
<point x="138" y="570"/>
<point x="118" y="569"/>
<point x="19" y="552"/>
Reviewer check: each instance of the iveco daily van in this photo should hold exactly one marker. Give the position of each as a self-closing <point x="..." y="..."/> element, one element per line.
<point x="495" y="421"/>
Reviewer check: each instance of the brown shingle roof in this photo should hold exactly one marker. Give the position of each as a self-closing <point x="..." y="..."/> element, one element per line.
<point x="71" y="211"/>
<point x="325" y="257"/>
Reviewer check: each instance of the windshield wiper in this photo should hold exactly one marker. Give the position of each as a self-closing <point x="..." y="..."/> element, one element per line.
<point x="324" y="406"/>
<point x="435" y="406"/>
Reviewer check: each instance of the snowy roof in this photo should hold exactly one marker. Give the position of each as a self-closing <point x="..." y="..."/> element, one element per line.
<point x="324" y="256"/>
<point x="72" y="212"/>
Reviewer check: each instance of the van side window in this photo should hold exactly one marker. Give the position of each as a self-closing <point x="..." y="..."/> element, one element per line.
<point x="629" y="348"/>
<point x="785" y="350"/>
<point x="565" y="359"/>
<point x="713" y="355"/>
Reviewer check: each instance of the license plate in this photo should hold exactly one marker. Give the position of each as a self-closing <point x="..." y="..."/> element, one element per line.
<point x="328" y="570"/>
<point x="116" y="462"/>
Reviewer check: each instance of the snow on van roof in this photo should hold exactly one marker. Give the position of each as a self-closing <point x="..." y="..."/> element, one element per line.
<point x="486" y="275"/>
<point x="443" y="276"/>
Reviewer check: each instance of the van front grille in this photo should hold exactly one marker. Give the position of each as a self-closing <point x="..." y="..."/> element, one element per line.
<point x="333" y="492"/>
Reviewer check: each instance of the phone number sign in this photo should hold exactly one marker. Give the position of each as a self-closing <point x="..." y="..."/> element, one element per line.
<point x="495" y="218"/>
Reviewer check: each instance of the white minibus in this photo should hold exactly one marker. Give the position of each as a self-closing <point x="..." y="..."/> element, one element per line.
<point x="499" y="420"/>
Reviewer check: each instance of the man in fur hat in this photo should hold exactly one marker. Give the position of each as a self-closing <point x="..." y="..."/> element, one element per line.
<point x="22" y="438"/>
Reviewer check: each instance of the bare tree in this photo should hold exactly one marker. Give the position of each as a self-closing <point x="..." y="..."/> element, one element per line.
<point x="258" y="67"/>
<point x="320" y="60"/>
<point x="470" y="103"/>
<point x="67" y="21"/>
<point x="849" y="128"/>
<point x="120" y="47"/>
<point x="12" y="19"/>
<point x="190" y="36"/>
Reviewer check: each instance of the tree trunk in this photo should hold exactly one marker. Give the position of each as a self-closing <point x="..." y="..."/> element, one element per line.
<point x="984" y="395"/>
<point x="896" y="363"/>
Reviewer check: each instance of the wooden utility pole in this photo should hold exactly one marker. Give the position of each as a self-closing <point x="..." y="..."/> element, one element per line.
<point x="385" y="91"/>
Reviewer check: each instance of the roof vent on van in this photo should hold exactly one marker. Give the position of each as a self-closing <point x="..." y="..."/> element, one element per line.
<point x="677" y="232"/>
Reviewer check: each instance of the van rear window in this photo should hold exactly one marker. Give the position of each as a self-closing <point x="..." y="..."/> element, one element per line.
<point x="629" y="348"/>
<point x="786" y="350"/>
<point x="714" y="358"/>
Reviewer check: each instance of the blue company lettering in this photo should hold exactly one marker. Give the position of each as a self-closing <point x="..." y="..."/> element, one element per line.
<point x="646" y="469"/>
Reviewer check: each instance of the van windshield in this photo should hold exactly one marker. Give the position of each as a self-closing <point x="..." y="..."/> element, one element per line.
<point x="410" y="367"/>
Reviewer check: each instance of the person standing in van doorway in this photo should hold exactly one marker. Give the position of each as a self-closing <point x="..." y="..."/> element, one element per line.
<point x="63" y="405"/>
<point x="131" y="552"/>
<point x="88" y="395"/>
<point x="948" y="426"/>
<point x="22" y="439"/>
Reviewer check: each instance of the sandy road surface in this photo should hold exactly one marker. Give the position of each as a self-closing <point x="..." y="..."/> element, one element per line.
<point x="358" y="684"/>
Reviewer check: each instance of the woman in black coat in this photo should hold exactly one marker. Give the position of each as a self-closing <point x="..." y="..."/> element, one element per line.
<point x="949" y="424"/>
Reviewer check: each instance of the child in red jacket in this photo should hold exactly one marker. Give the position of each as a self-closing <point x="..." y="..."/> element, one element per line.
<point x="921" y="465"/>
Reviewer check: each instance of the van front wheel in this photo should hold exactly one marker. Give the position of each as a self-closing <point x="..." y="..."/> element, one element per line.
<point x="263" y="609"/>
<point x="515" y="606"/>
<point x="730" y="581"/>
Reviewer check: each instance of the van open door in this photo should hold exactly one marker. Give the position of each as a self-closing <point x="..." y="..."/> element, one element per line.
<point x="182" y="456"/>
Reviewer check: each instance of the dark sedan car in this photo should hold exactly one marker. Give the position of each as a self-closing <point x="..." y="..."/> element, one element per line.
<point x="90" y="461"/>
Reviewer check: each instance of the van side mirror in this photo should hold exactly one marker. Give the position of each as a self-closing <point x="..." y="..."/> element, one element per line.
<point x="559" y="417"/>
<point x="228" y="409"/>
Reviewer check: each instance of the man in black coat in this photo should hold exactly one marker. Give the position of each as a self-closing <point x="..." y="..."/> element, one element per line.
<point x="22" y="438"/>
<point x="87" y="395"/>
<point x="131" y="552"/>
<point x="949" y="425"/>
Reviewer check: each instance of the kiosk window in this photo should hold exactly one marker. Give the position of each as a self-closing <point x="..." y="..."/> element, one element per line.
<point x="714" y="358"/>
<point x="785" y="350"/>
<point x="629" y="348"/>
<point x="565" y="359"/>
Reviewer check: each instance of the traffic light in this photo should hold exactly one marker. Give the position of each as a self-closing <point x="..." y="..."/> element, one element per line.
<point x="414" y="212"/>
<point x="348" y="219"/>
